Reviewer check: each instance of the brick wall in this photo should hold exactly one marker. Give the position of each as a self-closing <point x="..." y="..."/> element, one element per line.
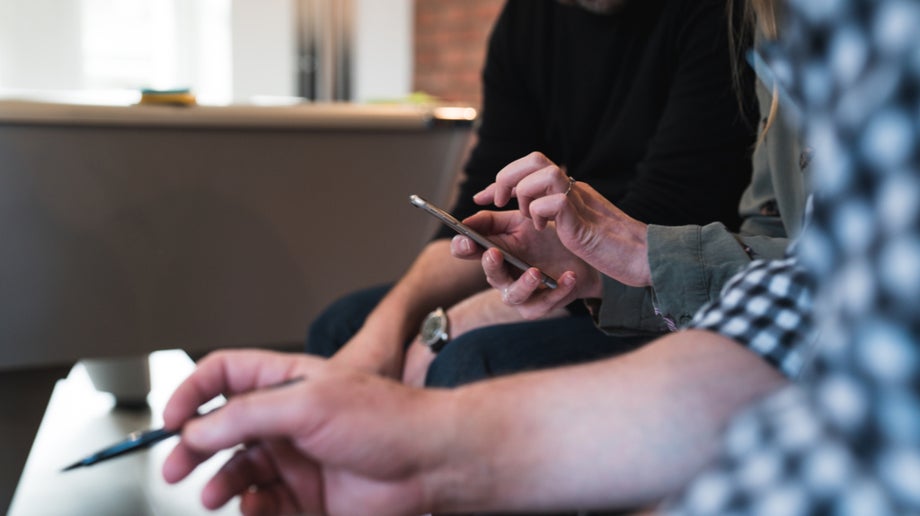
<point x="450" y="43"/>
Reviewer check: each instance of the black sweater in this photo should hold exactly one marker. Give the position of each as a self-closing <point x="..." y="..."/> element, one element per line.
<point x="639" y="104"/>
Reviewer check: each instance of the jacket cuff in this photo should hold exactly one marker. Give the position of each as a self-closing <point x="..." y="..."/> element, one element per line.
<point x="627" y="311"/>
<point x="688" y="265"/>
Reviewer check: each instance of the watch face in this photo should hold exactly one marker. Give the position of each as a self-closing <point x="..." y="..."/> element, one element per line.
<point x="433" y="329"/>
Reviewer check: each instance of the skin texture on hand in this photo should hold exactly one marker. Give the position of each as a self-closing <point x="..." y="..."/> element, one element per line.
<point x="586" y="223"/>
<point x="339" y="442"/>
<point x="525" y="293"/>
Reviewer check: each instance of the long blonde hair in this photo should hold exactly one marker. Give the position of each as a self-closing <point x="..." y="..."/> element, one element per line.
<point x="759" y="14"/>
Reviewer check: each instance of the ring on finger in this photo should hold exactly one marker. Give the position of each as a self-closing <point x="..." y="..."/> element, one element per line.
<point x="569" y="188"/>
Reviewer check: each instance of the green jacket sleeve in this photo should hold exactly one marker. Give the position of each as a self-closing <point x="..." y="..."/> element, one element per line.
<point x="689" y="265"/>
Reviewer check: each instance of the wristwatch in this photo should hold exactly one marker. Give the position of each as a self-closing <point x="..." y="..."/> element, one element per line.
<point x="434" y="330"/>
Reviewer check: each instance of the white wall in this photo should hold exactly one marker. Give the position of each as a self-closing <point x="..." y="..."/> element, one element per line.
<point x="264" y="48"/>
<point x="227" y="49"/>
<point x="40" y="44"/>
<point x="382" y="65"/>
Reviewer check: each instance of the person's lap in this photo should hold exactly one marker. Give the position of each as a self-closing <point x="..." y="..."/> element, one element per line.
<point x="509" y="348"/>
<point x="482" y="353"/>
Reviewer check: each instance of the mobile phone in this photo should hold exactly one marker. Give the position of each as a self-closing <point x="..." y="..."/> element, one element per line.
<point x="465" y="230"/>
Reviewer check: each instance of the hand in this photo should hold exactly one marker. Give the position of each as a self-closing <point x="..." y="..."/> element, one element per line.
<point x="587" y="224"/>
<point x="317" y="446"/>
<point x="526" y="294"/>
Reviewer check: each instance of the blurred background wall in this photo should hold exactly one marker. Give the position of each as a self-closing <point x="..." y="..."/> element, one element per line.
<point x="234" y="50"/>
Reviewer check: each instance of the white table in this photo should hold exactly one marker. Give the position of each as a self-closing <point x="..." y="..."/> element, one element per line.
<point x="80" y="420"/>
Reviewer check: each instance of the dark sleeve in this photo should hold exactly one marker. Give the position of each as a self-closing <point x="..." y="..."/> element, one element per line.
<point x="509" y="127"/>
<point x="698" y="162"/>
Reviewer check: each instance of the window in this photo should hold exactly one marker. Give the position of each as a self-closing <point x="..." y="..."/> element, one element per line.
<point x="132" y="44"/>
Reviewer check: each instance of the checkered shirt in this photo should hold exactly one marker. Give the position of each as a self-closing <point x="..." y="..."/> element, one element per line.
<point x="846" y="439"/>
<point x="767" y="308"/>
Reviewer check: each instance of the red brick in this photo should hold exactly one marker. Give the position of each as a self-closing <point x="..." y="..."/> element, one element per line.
<point x="450" y="39"/>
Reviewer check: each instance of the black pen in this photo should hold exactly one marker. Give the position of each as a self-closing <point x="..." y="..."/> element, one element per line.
<point x="144" y="439"/>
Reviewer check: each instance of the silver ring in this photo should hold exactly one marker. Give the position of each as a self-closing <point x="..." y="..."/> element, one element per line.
<point x="569" y="189"/>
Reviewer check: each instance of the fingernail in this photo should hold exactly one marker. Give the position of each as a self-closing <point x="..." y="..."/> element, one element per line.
<point x="568" y="280"/>
<point x="535" y="276"/>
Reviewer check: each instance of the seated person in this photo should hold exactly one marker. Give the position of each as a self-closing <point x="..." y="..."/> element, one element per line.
<point x="637" y="100"/>
<point x="602" y="255"/>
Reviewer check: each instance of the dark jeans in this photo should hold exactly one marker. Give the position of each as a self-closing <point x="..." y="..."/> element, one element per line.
<point x="482" y="353"/>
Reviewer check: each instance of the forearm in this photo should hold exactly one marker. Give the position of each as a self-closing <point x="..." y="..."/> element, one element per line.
<point x="434" y="279"/>
<point x="618" y="433"/>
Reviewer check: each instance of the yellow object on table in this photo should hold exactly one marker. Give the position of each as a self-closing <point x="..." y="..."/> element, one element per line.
<point x="179" y="97"/>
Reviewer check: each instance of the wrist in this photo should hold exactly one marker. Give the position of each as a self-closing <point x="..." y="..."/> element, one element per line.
<point x="644" y="272"/>
<point x="460" y="478"/>
<point x="626" y="255"/>
<point x="594" y="285"/>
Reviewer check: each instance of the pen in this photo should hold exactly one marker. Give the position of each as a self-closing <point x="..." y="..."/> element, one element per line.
<point x="144" y="439"/>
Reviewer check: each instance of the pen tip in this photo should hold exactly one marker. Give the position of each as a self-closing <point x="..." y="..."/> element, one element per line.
<point x="75" y="465"/>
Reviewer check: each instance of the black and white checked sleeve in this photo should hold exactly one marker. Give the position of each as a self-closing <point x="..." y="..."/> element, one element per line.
<point x="767" y="308"/>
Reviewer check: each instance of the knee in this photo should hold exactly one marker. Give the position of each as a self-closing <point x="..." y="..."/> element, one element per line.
<point x="324" y="336"/>
<point x="464" y="360"/>
<point x="338" y="323"/>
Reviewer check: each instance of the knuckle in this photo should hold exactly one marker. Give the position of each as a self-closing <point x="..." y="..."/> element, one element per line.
<point x="536" y="160"/>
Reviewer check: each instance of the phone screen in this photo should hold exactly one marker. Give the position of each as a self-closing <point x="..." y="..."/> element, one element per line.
<point x="465" y="230"/>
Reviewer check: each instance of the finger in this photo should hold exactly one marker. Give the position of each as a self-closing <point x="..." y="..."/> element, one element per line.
<point x="508" y="177"/>
<point x="548" y="208"/>
<point x="302" y="480"/>
<point x="491" y="222"/>
<point x="252" y="416"/>
<point x="547" y="300"/>
<point x="273" y="499"/>
<point x="181" y="461"/>
<point x="247" y="467"/>
<point x="522" y="290"/>
<point x="493" y="264"/>
<point x="296" y="489"/>
<point x="231" y="372"/>
<point x="464" y="248"/>
<point x="486" y="196"/>
<point x="550" y="181"/>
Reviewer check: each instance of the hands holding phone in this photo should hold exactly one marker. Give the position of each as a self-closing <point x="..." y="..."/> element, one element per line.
<point x="510" y="229"/>
<point x="555" y="213"/>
